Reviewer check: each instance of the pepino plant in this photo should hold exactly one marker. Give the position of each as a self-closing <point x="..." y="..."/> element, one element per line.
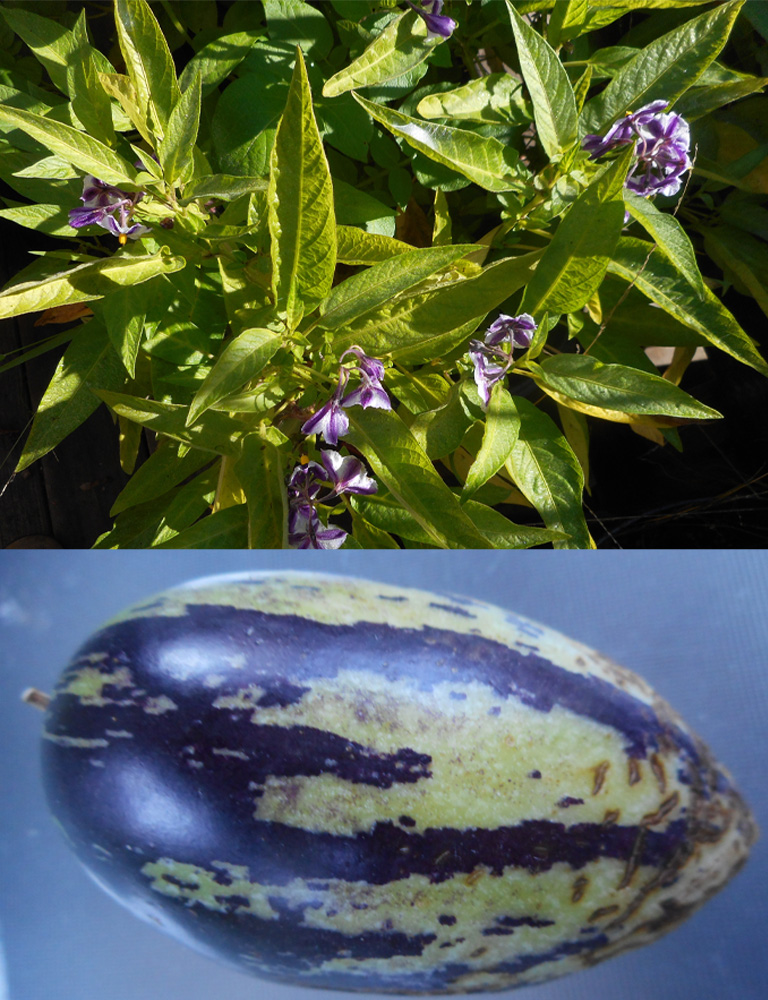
<point x="364" y="273"/>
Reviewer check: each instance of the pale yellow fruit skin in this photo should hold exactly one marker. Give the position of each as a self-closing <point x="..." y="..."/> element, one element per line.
<point x="496" y="762"/>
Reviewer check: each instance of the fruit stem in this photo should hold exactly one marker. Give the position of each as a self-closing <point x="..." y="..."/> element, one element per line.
<point x="37" y="698"/>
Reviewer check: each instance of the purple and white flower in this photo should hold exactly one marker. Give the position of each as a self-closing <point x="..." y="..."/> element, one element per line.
<point x="662" y="144"/>
<point x="491" y="359"/>
<point x="306" y="531"/>
<point x="345" y="474"/>
<point x="438" y="25"/>
<point x="108" y="207"/>
<point x="331" y="421"/>
<point x="518" y="330"/>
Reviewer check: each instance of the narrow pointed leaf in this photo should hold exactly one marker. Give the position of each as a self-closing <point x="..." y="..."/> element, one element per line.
<point x="548" y="473"/>
<point x="576" y="260"/>
<point x="240" y="361"/>
<point x="71" y="145"/>
<point x="554" y="104"/>
<point x="484" y="160"/>
<point x="89" y="362"/>
<point x="124" y="312"/>
<point x="176" y="149"/>
<point x="356" y="246"/>
<point x="665" y="68"/>
<point x="400" y="46"/>
<point x="148" y="61"/>
<point x="424" y="326"/>
<point x="120" y="87"/>
<point x="502" y="427"/>
<point x="164" y="469"/>
<point x="214" y="432"/>
<point x="261" y="472"/>
<point x="226" y="529"/>
<point x="302" y="223"/>
<point x="397" y="461"/>
<point x="670" y="236"/>
<point x="492" y="98"/>
<point x="661" y="283"/>
<point x="85" y="282"/>
<point x="618" y="387"/>
<point x="365" y="291"/>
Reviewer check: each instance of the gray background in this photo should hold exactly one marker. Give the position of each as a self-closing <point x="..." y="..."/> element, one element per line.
<point x="693" y="623"/>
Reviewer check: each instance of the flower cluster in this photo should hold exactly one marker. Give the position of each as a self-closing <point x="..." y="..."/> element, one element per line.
<point x="492" y="356"/>
<point x="437" y="24"/>
<point x="662" y="142"/>
<point x="343" y="474"/>
<point x="330" y="420"/>
<point x="108" y="207"/>
<point x="305" y="491"/>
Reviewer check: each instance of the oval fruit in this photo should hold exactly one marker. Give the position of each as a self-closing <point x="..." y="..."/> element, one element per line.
<point x="339" y="783"/>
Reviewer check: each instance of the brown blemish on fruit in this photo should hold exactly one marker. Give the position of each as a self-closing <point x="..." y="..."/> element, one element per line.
<point x="633" y="771"/>
<point x="600" y="772"/>
<point x="611" y="816"/>
<point x="601" y="912"/>
<point x="474" y="877"/>
<point x="666" y="807"/>
<point x="580" y="886"/>
<point x="633" y="861"/>
<point x="657" y="766"/>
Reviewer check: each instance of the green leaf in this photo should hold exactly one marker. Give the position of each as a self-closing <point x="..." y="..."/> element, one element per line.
<point x="617" y="387"/>
<point x="124" y="92"/>
<point x="365" y="291"/>
<point x="400" y="46"/>
<point x="214" y="432"/>
<point x="402" y="466"/>
<point x="424" y="326"/>
<point x="71" y="145"/>
<point x="124" y="311"/>
<point x="226" y="529"/>
<point x="148" y="61"/>
<point x="356" y="246"/>
<point x="548" y="473"/>
<point x="575" y="261"/>
<point x="440" y="431"/>
<point x="187" y="504"/>
<point x="90" y="102"/>
<point x="661" y="283"/>
<point x="388" y="516"/>
<point x="358" y="208"/>
<point x="52" y="219"/>
<point x="567" y="20"/>
<point x="222" y="186"/>
<point x="89" y="362"/>
<point x="484" y="160"/>
<point x="670" y="236"/>
<point x="499" y="438"/>
<point x="85" y="282"/>
<point x="665" y="68"/>
<point x="176" y="149"/>
<point x="216" y="60"/>
<point x="240" y="361"/>
<point x="51" y="44"/>
<point x="301" y="217"/>
<point x="294" y="22"/>
<point x="261" y="472"/>
<point x="743" y="258"/>
<point x="165" y="468"/>
<point x="554" y="104"/>
<point x="492" y="98"/>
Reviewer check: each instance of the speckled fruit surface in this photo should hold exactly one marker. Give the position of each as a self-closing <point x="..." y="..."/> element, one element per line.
<point x="337" y="783"/>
